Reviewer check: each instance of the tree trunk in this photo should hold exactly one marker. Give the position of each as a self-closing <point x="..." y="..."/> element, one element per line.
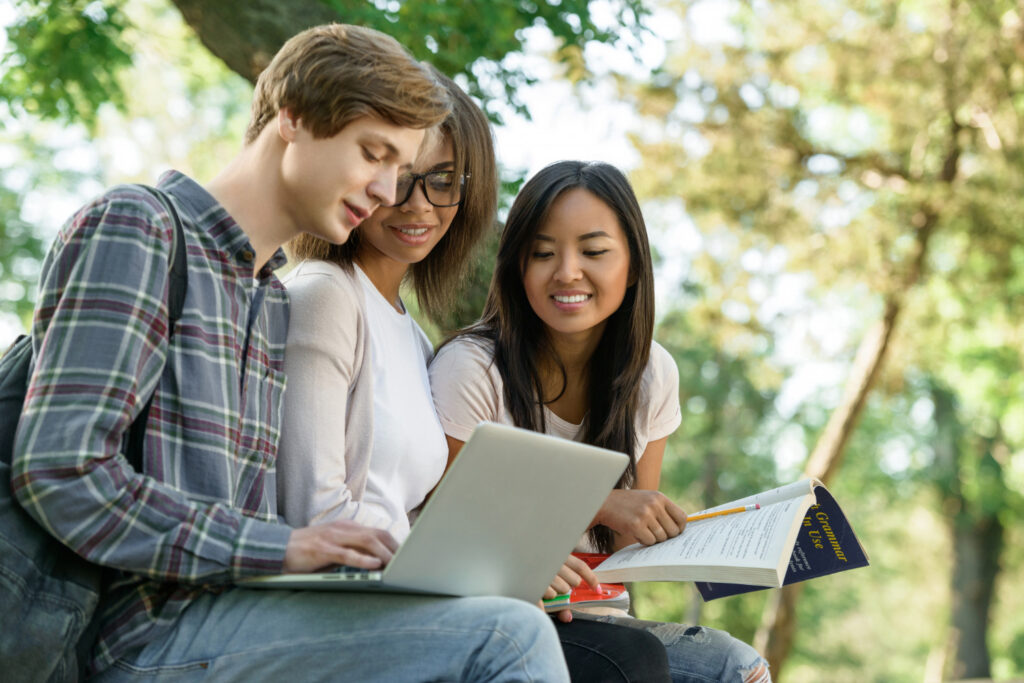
<point x="778" y="624"/>
<point x="977" y="543"/>
<point x="774" y="637"/>
<point x="976" y="532"/>
<point x="246" y="34"/>
<point x="828" y="453"/>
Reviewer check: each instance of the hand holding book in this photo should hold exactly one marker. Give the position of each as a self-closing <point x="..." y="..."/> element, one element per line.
<point x="798" y="533"/>
<point x="641" y="516"/>
<point x="576" y="577"/>
<point x="612" y="595"/>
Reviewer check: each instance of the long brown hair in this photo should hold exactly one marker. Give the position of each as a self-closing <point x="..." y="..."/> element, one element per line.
<point x="437" y="277"/>
<point x="617" y="366"/>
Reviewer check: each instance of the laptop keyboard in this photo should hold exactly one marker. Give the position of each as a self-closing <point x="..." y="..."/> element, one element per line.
<point x="346" y="572"/>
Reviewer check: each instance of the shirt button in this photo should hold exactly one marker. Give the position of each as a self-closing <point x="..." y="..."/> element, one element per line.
<point x="248" y="256"/>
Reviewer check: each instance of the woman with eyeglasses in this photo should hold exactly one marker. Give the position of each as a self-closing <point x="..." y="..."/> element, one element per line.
<point x="360" y="437"/>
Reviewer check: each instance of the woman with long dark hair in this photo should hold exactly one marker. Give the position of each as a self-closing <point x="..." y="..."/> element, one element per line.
<point x="564" y="346"/>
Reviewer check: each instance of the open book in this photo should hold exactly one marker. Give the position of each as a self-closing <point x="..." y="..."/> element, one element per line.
<point x="799" y="533"/>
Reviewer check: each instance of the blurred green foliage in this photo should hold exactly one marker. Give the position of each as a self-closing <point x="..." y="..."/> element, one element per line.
<point x="842" y="156"/>
<point x="808" y="144"/>
<point x="64" y="59"/>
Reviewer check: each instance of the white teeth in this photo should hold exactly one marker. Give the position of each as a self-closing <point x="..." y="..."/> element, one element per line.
<point x="574" y="299"/>
<point x="415" y="232"/>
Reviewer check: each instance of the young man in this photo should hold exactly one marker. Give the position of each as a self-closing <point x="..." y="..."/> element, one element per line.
<point x="337" y="115"/>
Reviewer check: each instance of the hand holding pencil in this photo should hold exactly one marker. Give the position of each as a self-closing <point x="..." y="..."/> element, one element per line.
<point x="719" y="513"/>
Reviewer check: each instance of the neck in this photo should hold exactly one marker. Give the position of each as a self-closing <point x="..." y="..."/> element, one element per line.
<point x="574" y="352"/>
<point x="385" y="273"/>
<point x="249" y="189"/>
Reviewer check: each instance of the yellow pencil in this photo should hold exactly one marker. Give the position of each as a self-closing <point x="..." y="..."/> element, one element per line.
<point x="719" y="513"/>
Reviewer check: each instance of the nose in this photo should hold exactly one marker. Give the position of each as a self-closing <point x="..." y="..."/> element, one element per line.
<point x="568" y="269"/>
<point x="382" y="186"/>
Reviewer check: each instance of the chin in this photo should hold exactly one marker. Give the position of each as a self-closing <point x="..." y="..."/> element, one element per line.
<point x="339" y="234"/>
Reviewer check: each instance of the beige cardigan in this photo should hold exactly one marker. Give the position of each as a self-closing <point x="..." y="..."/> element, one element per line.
<point x="323" y="460"/>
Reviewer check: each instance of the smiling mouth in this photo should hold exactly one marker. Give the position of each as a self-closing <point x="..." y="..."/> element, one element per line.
<point x="571" y="299"/>
<point x="412" y="232"/>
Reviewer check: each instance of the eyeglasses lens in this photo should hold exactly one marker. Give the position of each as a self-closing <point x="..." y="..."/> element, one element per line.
<point x="442" y="188"/>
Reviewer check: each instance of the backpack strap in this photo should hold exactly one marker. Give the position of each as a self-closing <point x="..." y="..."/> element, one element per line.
<point x="177" y="288"/>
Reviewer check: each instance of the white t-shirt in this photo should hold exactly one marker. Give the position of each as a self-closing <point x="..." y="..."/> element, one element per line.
<point x="409" y="447"/>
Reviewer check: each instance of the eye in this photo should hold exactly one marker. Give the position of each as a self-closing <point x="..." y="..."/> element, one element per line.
<point x="595" y="252"/>
<point x="370" y="156"/>
<point x="441" y="180"/>
<point x="541" y="255"/>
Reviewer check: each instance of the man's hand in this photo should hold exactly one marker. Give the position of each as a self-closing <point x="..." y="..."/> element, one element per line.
<point x="339" y="542"/>
<point x="642" y="516"/>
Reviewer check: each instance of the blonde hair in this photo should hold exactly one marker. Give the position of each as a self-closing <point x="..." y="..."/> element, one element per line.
<point x="332" y="74"/>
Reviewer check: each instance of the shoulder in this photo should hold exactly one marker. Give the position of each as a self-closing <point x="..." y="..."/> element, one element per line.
<point x="661" y="362"/>
<point x="464" y="366"/>
<point x="129" y="215"/>
<point x="464" y="353"/>
<point x="661" y="375"/>
<point x="323" y="283"/>
<point x="326" y="302"/>
<point x="466" y="385"/>
<point x="658" y="412"/>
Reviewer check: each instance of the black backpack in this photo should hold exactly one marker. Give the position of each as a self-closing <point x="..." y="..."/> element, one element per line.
<point x="47" y="592"/>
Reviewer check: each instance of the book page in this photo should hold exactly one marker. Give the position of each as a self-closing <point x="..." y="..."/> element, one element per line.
<point x="825" y="544"/>
<point x="746" y="539"/>
<point x="795" y="490"/>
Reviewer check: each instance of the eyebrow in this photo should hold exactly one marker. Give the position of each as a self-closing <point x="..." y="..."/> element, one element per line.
<point x="585" y="236"/>
<point x="442" y="166"/>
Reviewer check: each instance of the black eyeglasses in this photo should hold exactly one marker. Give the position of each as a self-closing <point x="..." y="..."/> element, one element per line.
<point x="441" y="188"/>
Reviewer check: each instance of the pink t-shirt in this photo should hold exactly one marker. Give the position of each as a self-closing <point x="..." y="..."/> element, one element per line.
<point x="468" y="389"/>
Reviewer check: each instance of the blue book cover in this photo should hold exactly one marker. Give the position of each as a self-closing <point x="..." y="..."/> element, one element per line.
<point x="825" y="544"/>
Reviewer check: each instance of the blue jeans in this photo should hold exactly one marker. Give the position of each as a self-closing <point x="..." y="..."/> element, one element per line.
<point x="256" y="635"/>
<point x="697" y="654"/>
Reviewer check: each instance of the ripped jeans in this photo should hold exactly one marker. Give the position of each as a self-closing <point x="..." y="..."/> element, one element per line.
<point x="697" y="654"/>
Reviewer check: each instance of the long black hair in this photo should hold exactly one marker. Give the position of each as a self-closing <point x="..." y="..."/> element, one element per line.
<point x="519" y="336"/>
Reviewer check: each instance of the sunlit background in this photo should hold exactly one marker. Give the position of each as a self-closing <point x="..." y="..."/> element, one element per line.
<point x="835" y="196"/>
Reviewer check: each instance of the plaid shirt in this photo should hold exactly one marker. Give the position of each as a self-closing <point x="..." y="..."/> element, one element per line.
<point x="204" y="514"/>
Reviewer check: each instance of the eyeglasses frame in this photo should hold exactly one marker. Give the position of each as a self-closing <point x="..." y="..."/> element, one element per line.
<point x="421" y="178"/>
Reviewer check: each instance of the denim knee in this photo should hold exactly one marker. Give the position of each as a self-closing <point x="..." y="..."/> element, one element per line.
<point x="525" y="640"/>
<point x="698" y="654"/>
<point x="722" y="656"/>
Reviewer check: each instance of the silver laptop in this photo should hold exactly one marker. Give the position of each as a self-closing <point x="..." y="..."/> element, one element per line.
<point x="501" y="522"/>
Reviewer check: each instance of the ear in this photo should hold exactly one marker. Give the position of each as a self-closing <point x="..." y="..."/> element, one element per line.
<point x="287" y="125"/>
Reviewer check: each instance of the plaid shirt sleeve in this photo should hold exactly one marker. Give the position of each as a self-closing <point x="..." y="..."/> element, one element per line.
<point x="100" y="342"/>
